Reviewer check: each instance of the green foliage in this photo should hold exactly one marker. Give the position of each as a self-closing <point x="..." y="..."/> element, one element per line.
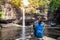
<point x="32" y="10"/>
<point x="16" y="2"/>
<point x="43" y="2"/>
<point x="34" y="3"/>
<point x="54" y="4"/>
<point x="39" y="3"/>
<point x="0" y="15"/>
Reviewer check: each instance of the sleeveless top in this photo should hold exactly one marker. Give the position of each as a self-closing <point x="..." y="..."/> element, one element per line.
<point x="39" y="30"/>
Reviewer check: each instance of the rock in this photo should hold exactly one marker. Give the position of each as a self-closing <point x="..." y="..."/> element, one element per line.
<point x="58" y="38"/>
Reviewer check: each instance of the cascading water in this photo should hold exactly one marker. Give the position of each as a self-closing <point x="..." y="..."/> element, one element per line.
<point x="23" y="29"/>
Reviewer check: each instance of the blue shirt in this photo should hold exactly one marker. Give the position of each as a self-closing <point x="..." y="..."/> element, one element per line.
<point x="39" y="29"/>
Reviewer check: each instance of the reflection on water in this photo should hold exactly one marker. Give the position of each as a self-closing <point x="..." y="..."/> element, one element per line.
<point x="16" y="32"/>
<point x="0" y="34"/>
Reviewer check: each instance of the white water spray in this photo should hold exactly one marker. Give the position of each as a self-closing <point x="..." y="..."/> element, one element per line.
<point x="26" y="3"/>
<point x="23" y="29"/>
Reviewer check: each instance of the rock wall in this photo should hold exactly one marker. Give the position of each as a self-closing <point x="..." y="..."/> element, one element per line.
<point x="8" y="12"/>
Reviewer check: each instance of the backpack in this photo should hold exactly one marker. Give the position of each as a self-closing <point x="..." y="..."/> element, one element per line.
<point x="39" y="30"/>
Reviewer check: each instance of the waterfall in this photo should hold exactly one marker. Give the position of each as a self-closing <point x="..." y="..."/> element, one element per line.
<point x="23" y="29"/>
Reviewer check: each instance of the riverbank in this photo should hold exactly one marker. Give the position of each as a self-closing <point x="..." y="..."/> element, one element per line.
<point x="14" y="31"/>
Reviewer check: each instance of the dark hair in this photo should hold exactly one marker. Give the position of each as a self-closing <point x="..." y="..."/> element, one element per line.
<point x="38" y="17"/>
<point x="40" y="22"/>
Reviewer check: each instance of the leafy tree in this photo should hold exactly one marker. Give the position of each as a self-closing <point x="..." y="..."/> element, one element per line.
<point x="39" y="3"/>
<point x="43" y="2"/>
<point x="33" y="3"/>
<point x="16" y="2"/>
<point x="0" y="15"/>
<point x="54" y="4"/>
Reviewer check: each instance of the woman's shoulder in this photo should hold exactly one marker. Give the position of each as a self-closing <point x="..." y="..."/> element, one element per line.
<point x="36" y="21"/>
<point x="42" y="24"/>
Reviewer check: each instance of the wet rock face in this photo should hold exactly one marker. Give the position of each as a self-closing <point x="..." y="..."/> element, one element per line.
<point x="58" y="38"/>
<point x="8" y="12"/>
<point x="0" y="26"/>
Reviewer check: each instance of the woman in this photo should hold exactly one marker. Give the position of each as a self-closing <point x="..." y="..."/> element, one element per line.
<point x="38" y="29"/>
